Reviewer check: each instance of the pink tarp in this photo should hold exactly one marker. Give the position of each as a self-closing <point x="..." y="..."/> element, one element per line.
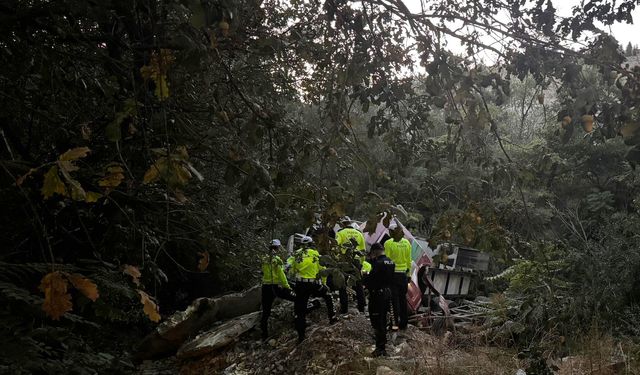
<point x="381" y="230"/>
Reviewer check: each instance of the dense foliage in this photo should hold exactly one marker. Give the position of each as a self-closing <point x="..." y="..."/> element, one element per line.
<point x="149" y="149"/>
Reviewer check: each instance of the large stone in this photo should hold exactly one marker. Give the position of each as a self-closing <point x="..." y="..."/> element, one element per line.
<point x="218" y="337"/>
<point x="203" y="313"/>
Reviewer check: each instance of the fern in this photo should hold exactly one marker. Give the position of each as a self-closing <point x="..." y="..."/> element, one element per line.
<point x="28" y="273"/>
<point x="15" y="293"/>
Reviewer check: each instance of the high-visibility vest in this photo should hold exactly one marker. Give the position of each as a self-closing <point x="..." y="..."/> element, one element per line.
<point x="305" y="263"/>
<point x="400" y="253"/>
<point x="346" y="234"/>
<point x="273" y="272"/>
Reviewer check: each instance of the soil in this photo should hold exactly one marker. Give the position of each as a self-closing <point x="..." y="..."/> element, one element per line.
<point x="345" y="348"/>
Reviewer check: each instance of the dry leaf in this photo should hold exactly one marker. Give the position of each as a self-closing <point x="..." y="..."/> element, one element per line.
<point x="182" y="174"/>
<point x="629" y="129"/>
<point x="181" y="153"/>
<point x="92" y="197"/>
<point x="20" y="180"/>
<point x="77" y="192"/>
<point x="85" y="130"/>
<point x="52" y="183"/>
<point x="75" y="153"/>
<point x="150" y="307"/>
<point x="180" y="197"/>
<point x="67" y="165"/>
<point x="155" y="171"/>
<point x="203" y="263"/>
<point x="157" y="72"/>
<point x="57" y="301"/>
<point x="113" y="176"/>
<point x="134" y="272"/>
<point x="84" y="286"/>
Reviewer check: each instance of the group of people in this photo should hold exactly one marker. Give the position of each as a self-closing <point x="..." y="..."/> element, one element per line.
<point x="384" y="273"/>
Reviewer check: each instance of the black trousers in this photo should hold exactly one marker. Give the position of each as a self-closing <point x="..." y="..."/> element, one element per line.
<point x="378" y="305"/>
<point x="304" y="290"/>
<point x="344" y="298"/>
<point x="399" y="299"/>
<point x="269" y="294"/>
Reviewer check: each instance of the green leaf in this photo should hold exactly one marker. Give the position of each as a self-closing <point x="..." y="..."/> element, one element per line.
<point x="113" y="131"/>
<point x="197" y="19"/>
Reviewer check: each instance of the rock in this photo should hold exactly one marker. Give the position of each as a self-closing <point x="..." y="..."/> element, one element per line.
<point x="203" y="312"/>
<point x="219" y="337"/>
<point x="403" y="349"/>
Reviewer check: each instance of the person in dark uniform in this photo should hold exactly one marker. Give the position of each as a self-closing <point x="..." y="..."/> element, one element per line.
<point x="379" y="282"/>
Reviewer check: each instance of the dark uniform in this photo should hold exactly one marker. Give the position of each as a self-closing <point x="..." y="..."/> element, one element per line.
<point x="379" y="282"/>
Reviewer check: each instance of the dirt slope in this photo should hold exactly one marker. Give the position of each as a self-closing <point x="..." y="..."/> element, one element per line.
<point x="344" y="348"/>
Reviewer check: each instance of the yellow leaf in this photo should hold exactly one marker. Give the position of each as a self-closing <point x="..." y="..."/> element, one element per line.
<point x="92" y="197"/>
<point x="181" y="153"/>
<point x="162" y="87"/>
<point x="203" y="263"/>
<point x="112" y="180"/>
<point x="182" y="174"/>
<point x="84" y="286"/>
<point x="77" y="192"/>
<point x="134" y="272"/>
<point x="151" y="175"/>
<point x="150" y="307"/>
<point x="113" y="177"/>
<point x="147" y="72"/>
<point x="158" y="169"/>
<point x="57" y="301"/>
<point x="75" y="153"/>
<point x="115" y="168"/>
<point x="67" y="165"/>
<point x="156" y="70"/>
<point x="52" y="183"/>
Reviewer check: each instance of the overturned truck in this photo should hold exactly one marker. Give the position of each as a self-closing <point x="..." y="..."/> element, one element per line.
<point x="450" y="276"/>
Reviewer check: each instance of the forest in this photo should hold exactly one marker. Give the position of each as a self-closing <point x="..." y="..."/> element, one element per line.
<point x="151" y="149"/>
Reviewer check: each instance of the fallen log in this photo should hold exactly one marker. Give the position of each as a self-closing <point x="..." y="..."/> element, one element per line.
<point x="218" y="337"/>
<point x="202" y="314"/>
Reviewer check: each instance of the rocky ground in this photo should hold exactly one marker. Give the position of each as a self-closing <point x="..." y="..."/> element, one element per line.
<point x="345" y="347"/>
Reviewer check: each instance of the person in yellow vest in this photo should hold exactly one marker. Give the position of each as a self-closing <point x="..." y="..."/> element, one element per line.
<point x="274" y="284"/>
<point x="398" y="249"/>
<point x="305" y="267"/>
<point x="344" y="237"/>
